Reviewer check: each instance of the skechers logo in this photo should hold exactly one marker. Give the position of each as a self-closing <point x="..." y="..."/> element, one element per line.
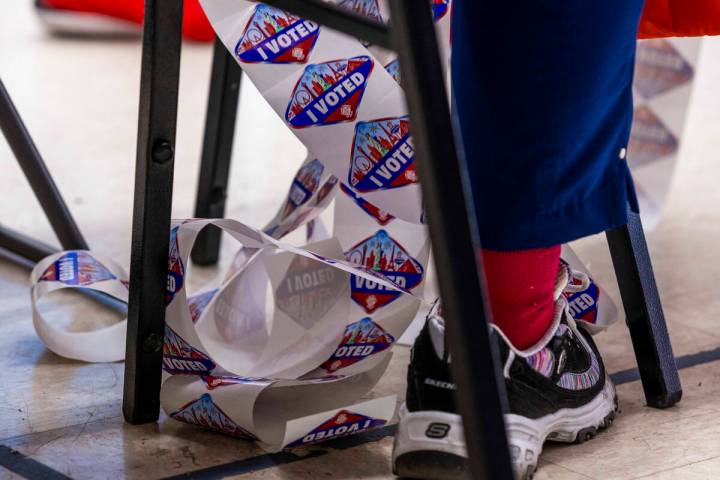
<point x="439" y="384"/>
<point x="437" y="430"/>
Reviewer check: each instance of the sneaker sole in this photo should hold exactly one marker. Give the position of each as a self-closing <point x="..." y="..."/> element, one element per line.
<point x="415" y="455"/>
<point x="429" y="445"/>
<point x="569" y="425"/>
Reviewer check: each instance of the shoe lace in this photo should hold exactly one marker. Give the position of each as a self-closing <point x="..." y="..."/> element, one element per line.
<point x="577" y="282"/>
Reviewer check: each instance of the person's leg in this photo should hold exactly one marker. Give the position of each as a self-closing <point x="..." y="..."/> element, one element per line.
<point x="521" y="286"/>
<point x="195" y="24"/>
<point x="543" y="95"/>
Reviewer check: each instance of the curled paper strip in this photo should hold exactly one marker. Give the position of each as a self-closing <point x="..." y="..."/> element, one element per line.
<point x="80" y="269"/>
<point x="333" y="94"/>
<point x="276" y="348"/>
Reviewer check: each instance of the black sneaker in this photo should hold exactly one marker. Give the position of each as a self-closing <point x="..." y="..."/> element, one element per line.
<point x="557" y="390"/>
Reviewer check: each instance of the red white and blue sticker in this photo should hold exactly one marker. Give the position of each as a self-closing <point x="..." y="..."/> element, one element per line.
<point x="76" y="268"/>
<point x="214" y="382"/>
<point x="275" y="36"/>
<point x="440" y="8"/>
<point x="650" y="138"/>
<point x="584" y="305"/>
<point x="329" y="93"/>
<point x="206" y="413"/>
<point x="367" y="8"/>
<point x="181" y="358"/>
<point x="659" y="67"/>
<point x="382" y="155"/>
<point x="198" y="303"/>
<point x="176" y="270"/>
<point x="382" y="254"/>
<point x="380" y="216"/>
<point x="393" y="68"/>
<point x="362" y="339"/>
<point x="305" y="183"/>
<point x="344" y="423"/>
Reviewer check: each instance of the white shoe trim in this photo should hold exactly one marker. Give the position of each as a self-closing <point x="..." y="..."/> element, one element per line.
<point x="527" y="436"/>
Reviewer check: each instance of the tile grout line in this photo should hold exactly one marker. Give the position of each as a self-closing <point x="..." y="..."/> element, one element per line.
<point x="27" y="467"/>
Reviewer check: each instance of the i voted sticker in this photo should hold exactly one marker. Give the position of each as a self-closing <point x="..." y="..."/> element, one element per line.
<point x="182" y="359"/>
<point x="76" y="268"/>
<point x="329" y="93"/>
<point x="382" y="156"/>
<point x="205" y="413"/>
<point x="344" y="423"/>
<point x="275" y="36"/>
<point x="382" y="254"/>
<point x="361" y="340"/>
<point x="176" y="270"/>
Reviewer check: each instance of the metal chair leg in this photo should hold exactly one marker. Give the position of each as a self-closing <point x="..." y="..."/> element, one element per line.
<point x="151" y="214"/>
<point x="644" y="313"/>
<point x="481" y="392"/>
<point x="37" y="174"/>
<point x="225" y="82"/>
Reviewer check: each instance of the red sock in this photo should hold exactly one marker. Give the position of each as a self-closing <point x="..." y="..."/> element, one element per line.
<point x="195" y="24"/>
<point x="521" y="285"/>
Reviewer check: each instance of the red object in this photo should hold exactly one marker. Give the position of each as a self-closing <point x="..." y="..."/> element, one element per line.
<point x="521" y="285"/>
<point x="195" y="23"/>
<point x="680" y="18"/>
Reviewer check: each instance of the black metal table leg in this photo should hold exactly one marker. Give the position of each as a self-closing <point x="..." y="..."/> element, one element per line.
<point x="644" y="313"/>
<point x="152" y="209"/>
<point x="475" y="362"/>
<point x="41" y="181"/>
<point x="222" y="107"/>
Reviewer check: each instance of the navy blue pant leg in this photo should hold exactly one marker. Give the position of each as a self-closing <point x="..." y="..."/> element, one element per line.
<point x="543" y="95"/>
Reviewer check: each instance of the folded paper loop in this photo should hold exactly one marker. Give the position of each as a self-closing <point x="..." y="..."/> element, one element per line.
<point x="85" y="270"/>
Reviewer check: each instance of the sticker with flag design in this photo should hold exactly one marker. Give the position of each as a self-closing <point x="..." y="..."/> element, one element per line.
<point x="382" y="155"/>
<point x="329" y="93"/>
<point x="584" y="305"/>
<point x="440" y="8"/>
<point x="659" y="67"/>
<point x="275" y="36"/>
<point x="76" y="268"/>
<point x="650" y="138"/>
<point x="382" y="254"/>
<point x="362" y="339"/>
<point x="176" y="270"/>
<point x="205" y="413"/>
<point x="179" y="357"/>
<point x="344" y="423"/>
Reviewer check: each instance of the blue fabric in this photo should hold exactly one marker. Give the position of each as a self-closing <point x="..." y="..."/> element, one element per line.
<point x="543" y="95"/>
